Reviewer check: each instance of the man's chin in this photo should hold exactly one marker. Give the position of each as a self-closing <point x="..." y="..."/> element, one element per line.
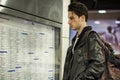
<point x="73" y="29"/>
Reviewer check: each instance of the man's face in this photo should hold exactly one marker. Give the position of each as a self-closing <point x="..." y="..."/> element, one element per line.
<point x="74" y="21"/>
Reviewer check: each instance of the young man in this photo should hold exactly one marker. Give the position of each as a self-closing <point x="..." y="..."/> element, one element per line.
<point x="76" y="67"/>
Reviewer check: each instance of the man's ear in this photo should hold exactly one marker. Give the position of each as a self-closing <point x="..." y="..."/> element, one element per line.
<point x="82" y="18"/>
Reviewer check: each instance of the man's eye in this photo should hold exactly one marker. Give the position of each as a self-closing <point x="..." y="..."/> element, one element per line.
<point x="71" y="18"/>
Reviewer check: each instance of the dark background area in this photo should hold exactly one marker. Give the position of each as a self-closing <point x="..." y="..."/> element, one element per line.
<point x="100" y="4"/>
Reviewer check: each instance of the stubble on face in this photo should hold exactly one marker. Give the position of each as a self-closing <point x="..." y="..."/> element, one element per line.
<point x="74" y="21"/>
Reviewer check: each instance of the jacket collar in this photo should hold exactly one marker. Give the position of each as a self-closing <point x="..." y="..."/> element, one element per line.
<point x="82" y="37"/>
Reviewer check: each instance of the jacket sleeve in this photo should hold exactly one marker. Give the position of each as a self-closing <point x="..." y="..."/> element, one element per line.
<point x="95" y="66"/>
<point x="67" y="62"/>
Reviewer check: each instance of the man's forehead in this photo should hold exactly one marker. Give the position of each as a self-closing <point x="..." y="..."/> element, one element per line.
<point x="70" y="13"/>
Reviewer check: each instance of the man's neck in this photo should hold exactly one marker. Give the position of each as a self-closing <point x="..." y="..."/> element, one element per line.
<point x="81" y="28"/>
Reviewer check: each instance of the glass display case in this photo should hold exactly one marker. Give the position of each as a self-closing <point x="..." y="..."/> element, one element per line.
<point x="28" y="50"/>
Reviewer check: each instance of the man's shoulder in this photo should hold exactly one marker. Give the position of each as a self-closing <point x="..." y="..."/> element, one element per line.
<point x="93" y="34"/>
<point x="94" y="37"/>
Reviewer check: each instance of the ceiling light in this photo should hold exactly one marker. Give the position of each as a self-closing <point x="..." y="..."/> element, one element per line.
<point x="117" y="22"/>
<point x="101" y="11"/>
<point x="97" y="22"/>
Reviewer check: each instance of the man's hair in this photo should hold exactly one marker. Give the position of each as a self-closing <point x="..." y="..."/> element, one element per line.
<point x="79" y="9"/>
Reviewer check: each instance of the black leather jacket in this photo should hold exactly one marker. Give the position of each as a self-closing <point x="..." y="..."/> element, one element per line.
<point x="76" y="67"/>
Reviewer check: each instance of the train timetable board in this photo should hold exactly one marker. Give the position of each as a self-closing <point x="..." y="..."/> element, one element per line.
<point x="27" y="51"/>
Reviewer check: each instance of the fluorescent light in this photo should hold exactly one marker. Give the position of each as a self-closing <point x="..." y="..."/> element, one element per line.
<point x="101" y="11"/>
<point x="117" y="22"/>
<point x="97" y="22"/>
